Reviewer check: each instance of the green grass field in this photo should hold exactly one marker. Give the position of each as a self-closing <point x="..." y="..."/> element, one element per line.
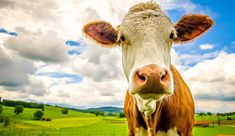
<point x="213" y="118"/>
<point x="85" y="124"/>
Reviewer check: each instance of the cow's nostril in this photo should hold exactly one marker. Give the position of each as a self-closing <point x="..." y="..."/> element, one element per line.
<point x="164" y="76"/>
<point x="142" y="77"/>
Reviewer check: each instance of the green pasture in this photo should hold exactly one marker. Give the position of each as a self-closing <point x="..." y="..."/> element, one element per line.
<point x="212" y="117"/>
<point x="65" y="122"/>
<point x="85" y="124"/>
<point x="52" y="112"/>
<point x="213" y="131"/>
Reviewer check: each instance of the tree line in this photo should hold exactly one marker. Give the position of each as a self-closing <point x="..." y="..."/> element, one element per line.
<point x="218" y="114"/>
<point x="12" y="103"/>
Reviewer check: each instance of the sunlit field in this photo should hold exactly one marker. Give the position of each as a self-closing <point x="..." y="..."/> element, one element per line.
<point x="86" y="124"/>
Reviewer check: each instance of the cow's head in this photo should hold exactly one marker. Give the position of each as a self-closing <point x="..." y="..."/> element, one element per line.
<point x="146" y="36"/>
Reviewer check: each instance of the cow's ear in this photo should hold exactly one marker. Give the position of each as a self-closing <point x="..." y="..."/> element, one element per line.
<point x="191" y="26"/>
<point x="102" y="32"/>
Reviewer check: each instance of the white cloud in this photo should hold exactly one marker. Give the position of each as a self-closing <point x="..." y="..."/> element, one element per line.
<point x="91" y="93"/>
<point x="99" y="63"/>
<point x="188" y="60"/>
<point x="39" y="46"/>
<point x="36" y="87"/>
<point x="214" y="106"/>
<point x="206" y="46"/>
<point x="14" y="69"/>
<point x="213" y="80"/>
<point x="185" y="5"/>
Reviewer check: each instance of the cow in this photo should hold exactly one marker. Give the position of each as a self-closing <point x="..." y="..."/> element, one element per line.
<point x="158" y="102"/>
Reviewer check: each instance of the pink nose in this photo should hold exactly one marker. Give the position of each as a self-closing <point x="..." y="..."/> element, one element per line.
<point x="151" y="79"/>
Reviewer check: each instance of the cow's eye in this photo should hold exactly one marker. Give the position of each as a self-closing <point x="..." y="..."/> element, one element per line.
<point x="173" y="35"/>
<point x="122" y="38"/>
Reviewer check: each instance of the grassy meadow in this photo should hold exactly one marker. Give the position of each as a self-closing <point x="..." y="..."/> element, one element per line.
<point x="86" y="124"/>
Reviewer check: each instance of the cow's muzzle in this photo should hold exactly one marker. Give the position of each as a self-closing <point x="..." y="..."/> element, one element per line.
<point x="151" y="79"/>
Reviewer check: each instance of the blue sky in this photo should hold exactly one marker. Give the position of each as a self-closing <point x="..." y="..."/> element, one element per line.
<point x="42" y="46"/>
<point x="222" y="33"/>
<point x="223" y="30"/>
<point x="4" y="31"/>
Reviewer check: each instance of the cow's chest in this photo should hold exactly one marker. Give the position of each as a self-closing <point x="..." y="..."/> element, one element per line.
<point x="143" y="132"/>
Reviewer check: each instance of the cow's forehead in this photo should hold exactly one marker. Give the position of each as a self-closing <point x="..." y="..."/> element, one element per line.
<point x="135" y="18"/>
<point x="144" y="6"/>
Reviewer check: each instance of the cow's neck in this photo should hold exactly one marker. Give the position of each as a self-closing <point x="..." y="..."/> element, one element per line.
<point x="154" y="121"/>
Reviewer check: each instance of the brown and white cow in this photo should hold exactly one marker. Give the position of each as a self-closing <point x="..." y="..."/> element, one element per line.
<point x="158" y="101"/>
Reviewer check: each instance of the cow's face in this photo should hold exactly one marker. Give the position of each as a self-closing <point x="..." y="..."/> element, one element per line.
<point x="146" y="36"/>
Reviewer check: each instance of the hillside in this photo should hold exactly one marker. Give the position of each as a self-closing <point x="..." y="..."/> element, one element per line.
<point x="106" y="109"/>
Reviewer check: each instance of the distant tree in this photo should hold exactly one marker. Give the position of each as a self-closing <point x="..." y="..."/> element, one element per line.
<point x="97" y="113"/>
<point x="121" y="115"/>
<point x="64" y="111"/>
<point x="102" y="114"/>
<point x="1" y="119"/>
<point x="18" y="109"/>
<point x="209" y="113"/>
<point x="41" y="106"/>
<point x="223" y="114"/>
<point x="111" y="114"/>
<point x="219" y="121"/>
<point x="202" y="114"/>
<point x="229" y="118"/>
<point x="218" y="114"/>
<point x="1" y="109"/>
<point x="6" y="121"/>
<point x="38" y="115"/>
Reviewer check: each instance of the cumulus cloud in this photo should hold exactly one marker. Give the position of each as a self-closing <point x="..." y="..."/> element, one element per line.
<point x="206" y="46"/>
<point x="185" y="5"/>
<point x="90" y="93"/>
<point x="5" y="3"/>
<point x="214" y="106"/>
<point x="35" y="87"/>
<point x="26" y="14"/>
<point x="17" y="77"/>
<point x="99" y="63"/>
<point x="188" y="60"/>
<point x="14" y="69"/>
<point x="39" y="46"/>
<point x="213" y="80"/>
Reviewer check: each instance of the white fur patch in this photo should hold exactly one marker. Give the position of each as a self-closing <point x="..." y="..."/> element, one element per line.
<point x="148" y="106"/>
<point x="143" y="132"/>
<point x="170" y="132"/>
